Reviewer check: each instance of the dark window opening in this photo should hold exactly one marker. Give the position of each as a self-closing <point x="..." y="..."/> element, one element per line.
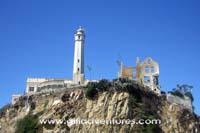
<point x="155" y="80"/>
<point x="78" y="69"/>
<point x="31" y="88"/>
<point x="147" y="79"/>
<point x="78" y="60"/>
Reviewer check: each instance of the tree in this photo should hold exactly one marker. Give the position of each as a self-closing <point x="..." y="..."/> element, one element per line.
<point x="103" y="85"/>
<point x="91" y="90"/>
<point x="189" y="94"/>
<point x="183" y="90"/>
<point x="28" y="124"/>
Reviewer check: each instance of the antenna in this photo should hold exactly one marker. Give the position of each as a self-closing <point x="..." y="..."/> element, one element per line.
<point x="89" y="69"/>
<point x="119" y="61"/>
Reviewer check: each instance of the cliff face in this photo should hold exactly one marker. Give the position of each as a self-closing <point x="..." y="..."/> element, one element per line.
<point x="72" y="104"/>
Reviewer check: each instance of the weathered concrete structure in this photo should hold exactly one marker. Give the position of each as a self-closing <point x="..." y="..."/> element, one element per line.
<point x="125" y="72"/>
<point x="15" y="98"/>
<point x="146" y="72"/>
<point x="185" y="102"/>
<point x="34" y="85"/>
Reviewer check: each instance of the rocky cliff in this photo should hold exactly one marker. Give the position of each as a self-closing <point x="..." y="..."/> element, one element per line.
<point x="71" y="104"/>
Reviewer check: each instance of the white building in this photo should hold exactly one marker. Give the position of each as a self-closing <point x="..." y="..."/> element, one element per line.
<point x="34" y="85"/>
<point x="78" y="72"/>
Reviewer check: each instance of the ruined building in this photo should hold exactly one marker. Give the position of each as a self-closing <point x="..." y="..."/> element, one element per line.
<point x="145" y="72"/>
<point x="125" y="71"/>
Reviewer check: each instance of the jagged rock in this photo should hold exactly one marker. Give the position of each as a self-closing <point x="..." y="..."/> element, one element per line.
<point x="72" y="104"/>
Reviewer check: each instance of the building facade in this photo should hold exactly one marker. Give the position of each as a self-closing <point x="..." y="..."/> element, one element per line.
<point x="34" y="85"/>
<point x="145" y="72"/>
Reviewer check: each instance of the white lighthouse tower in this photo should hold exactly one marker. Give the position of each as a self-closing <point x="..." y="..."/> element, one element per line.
<point x="78" y="71"/>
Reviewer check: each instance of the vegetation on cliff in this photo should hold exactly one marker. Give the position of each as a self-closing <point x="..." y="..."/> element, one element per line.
<point x="144" y="102"/>
<point x="27" y="124"/>
<point x="182" y="91"/>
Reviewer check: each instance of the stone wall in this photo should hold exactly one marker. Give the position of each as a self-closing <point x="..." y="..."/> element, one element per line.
<point x="185" y="102"/>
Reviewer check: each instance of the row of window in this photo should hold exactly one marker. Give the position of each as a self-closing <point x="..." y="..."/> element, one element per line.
<point x="149" y="69"/>
<point x="31" y="89"/>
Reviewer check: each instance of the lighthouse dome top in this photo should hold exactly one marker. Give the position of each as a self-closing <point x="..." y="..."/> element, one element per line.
<point x="80" y="30"/>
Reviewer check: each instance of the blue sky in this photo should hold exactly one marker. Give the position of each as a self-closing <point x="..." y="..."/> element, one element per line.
<point x="37" y="40"/>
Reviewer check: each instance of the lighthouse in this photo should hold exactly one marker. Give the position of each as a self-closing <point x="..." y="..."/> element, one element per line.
<point x="78" y="70"/>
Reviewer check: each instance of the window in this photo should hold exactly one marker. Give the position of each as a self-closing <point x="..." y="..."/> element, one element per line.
<point x="149" y="61"/>
<point x="78" y="60"/>
<point x="147" y="69"/>
<point x="79" y="37"/>
<point x="31" y="88"/>
<point x="147" y="79"/>
<point x="152" y="69"/>
<point x="134" y="72"/>
<point x="78" y="69"/>
<point x="155" y="80"/>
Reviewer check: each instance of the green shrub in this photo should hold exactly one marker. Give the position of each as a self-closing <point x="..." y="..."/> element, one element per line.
<point x="150" y="128"/>
<point x="177" y="93"/>
<point x="132" y="100"/>
<point x="189" y="94"/>
<point x="28" y="124"/>
<point x="91" y="90"/>
<point x="122" y="84"/>
<point x="92" y="85"/>
<point x="4" y="109"/>
<point x="103" y="85"/>
<point x="122" y="80"/>
<point x="33" y="105"/>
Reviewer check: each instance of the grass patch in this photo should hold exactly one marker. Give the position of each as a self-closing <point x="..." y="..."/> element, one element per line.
<point x="28" y="124"/>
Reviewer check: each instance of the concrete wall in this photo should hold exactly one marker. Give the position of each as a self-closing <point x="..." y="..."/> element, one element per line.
<point x="15" y="98"/>
<point x="186" y="102"/>
<point x="43" y="84"/>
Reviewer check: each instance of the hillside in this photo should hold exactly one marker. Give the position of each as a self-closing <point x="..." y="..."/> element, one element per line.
<point x="117" y="100"/>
